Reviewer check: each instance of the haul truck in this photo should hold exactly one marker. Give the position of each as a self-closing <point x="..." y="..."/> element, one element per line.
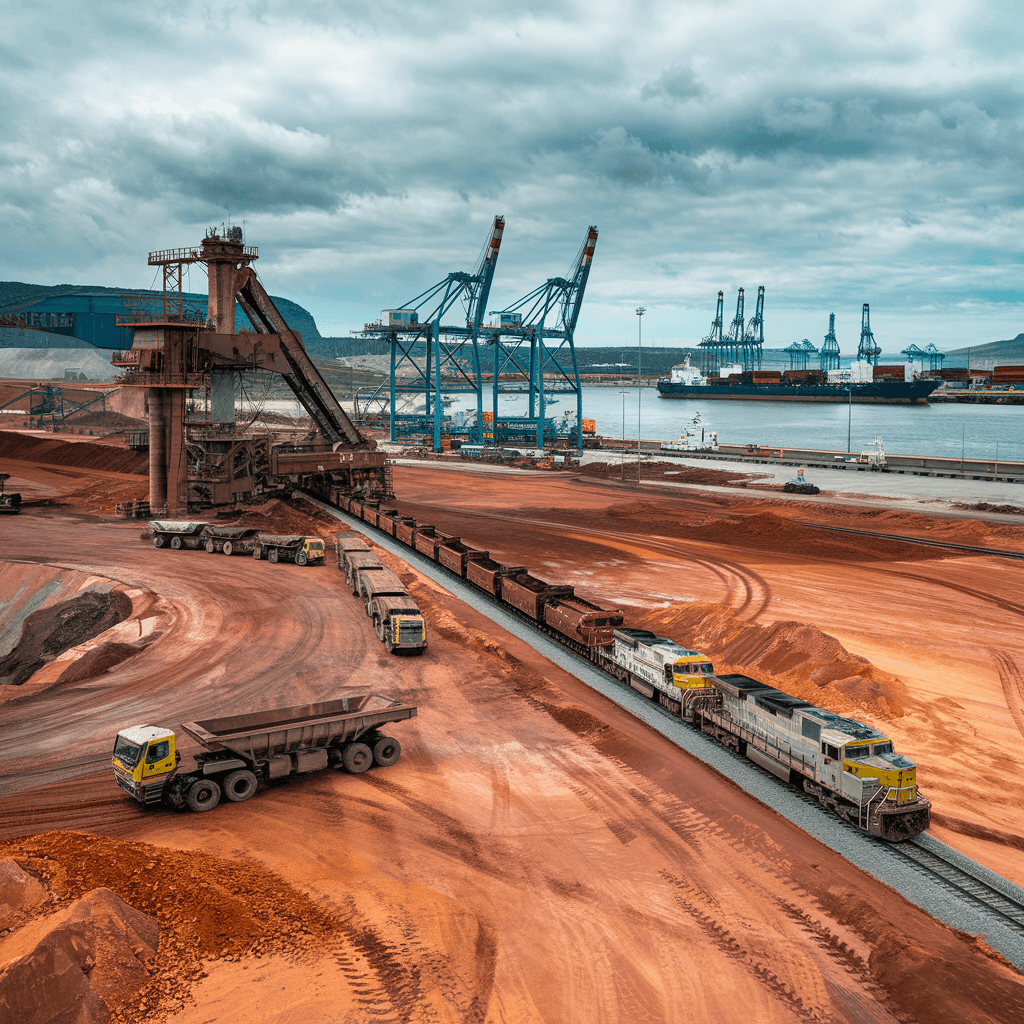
<point x="177" y="534"/>
<point x="397" y="621"/>
<point x="241" y="750"/>
<point x="300" y="550"/>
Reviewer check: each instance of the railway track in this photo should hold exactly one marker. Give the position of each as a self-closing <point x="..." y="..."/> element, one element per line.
<point x="960" y="880"/>
<point x="936" y="878"/>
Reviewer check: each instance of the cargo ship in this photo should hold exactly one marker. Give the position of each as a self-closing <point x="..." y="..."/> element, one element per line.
<point x="859" y="383"/>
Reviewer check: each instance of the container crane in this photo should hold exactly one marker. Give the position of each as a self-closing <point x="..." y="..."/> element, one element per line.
<point x="711" y="345"/>
<point x="753" y="340"/>
<point x="734" y="339"/>
<point x="427" y="354"/>
<point x="830" y="348"/>
<point x="867" y="350"/>
<point x="537" y="358"/>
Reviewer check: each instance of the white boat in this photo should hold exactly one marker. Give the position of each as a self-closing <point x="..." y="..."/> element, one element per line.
<point x="694" y="438"/>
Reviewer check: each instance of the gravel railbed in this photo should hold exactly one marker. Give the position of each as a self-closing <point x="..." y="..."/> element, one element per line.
<point x="869" y="854"/>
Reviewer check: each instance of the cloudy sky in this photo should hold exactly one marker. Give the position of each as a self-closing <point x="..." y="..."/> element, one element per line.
<point x="835" y="153"/>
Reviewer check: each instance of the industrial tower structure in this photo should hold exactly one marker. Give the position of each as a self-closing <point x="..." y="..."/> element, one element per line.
<point x="740" y="345"/>
<point x="427" y="355"/>
<point x="531" y="356"/>
<point x="710" y="348"/>
<point x="867" y="350"/>
<point x="829" y="359"/>
<point x="799" y="354"/>
<point x="172" y="353"/>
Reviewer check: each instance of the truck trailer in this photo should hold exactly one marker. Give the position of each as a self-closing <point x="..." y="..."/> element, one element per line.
<point x="240" y="751"/>
<point x="397" y="620"/>
<point x="300" y="550"/>
<point x="177" y="534"/>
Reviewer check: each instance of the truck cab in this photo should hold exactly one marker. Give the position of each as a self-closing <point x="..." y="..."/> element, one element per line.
<point x="144" y="759"/>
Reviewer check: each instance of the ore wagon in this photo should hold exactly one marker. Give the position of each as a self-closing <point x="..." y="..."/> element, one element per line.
<point x="455" y="555"/>
<point x="582" y="622"/>
<point x="487" y="574"/>
<point x="528" y="594"/>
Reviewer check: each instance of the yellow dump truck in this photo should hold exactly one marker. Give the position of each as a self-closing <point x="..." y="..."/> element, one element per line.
<point x="300" y="550"/>
<point x="240" y="751"/>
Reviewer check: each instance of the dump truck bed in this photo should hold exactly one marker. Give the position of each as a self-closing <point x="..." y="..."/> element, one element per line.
<point x="262" y="734"/>
<point x="186" y="527"/>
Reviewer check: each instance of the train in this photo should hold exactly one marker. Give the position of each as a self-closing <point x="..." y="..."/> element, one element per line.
<point x="849" y="767"/>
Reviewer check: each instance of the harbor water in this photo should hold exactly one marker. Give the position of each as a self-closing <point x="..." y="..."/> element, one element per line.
<point x="994" y="432"/>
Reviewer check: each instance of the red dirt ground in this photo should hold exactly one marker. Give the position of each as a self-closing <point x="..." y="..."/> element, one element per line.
<point x="536" y="854"/>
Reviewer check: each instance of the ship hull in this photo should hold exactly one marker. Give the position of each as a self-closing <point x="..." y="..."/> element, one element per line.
<point x="879" y="392"/>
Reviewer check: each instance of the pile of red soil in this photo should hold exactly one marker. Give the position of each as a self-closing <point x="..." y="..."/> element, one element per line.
<point x="668" y="472"/>
<point x="49" y="632"/>
<point x="985" y="506"/>
<point x="207" y="908"/>
<point x="297" y="517"/>
<point x="794" y="656"/>
<point x="82" y="455"/>
<point x="766" y="531"/>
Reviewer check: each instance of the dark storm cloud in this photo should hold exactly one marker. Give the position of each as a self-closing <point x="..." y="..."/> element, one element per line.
<point x="870" y="150"/>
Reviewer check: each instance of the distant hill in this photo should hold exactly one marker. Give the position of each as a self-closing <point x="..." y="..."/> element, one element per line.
<point x="984" y="357"/>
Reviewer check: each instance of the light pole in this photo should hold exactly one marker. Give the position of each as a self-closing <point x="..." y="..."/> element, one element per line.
<point x="622" y="460"/>
<point x="639" y="384"/>
<point x="849" y="422"/>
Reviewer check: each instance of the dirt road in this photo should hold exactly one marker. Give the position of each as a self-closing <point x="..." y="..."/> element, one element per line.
<point x="536" y="854"/>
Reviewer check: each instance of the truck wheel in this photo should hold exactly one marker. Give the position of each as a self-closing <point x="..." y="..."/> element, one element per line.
<point x="378" y="628"/>
<point x="272" y="556"/>
<point x="301" y="559"/>
<point x="386" y="751"/>
<point x="227" y="547"/>
<point x="210" y="548"/>
<point x="257" y="554"/>
<point x="176" y="543"/>
<point x="158" y="541"/>
<point x="204" y="795"/>
<point x="356" y="758"/>
<point x="240" y="785"/>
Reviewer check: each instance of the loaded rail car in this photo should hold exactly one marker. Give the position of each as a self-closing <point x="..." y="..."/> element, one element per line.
<point x="231" y="540"/>
<point x="487" y="574"/>
<point x="528" y="594"/>
<point x="866" y="783"/>
<point x="240" y="751"/>
<point x="456" y="556"/>
<point x="177" y="534"/>
<point x="583" y="623"/>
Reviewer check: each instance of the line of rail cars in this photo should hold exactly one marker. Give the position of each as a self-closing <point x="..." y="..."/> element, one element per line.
<point x="849" y="767"/>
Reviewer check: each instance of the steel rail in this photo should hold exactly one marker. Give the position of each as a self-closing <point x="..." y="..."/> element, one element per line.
<point x="1004" y="930"/>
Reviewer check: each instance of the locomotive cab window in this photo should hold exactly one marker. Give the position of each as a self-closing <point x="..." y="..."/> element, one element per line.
<point x="829" y="751"/>
<point x="882" y="748"/>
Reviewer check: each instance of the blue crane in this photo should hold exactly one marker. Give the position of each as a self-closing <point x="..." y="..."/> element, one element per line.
<point x="711" y="344"/>
<point x="867" y="350"/>
<point x="753" y="340"/>
<point x="830" y="349"/>
<point x="551" y="365"/>
<point x="427" y="354"/>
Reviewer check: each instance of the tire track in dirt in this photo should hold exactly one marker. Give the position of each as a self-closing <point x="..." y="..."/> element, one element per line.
<point x="690" y="901"/>
<point x="1013" y="686"/>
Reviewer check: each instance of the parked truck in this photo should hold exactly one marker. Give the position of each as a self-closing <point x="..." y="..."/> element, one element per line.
<point x="9" y="502"/>
<point x="231" y="540"/>
<point x="240" y="751"/>
<point x="278" y="548"/>
<point x="177" y="534"/>
<point x="397" y="620"/>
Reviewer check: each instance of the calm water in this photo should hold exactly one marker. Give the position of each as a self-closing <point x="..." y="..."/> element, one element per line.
<point x="976" y="431"/>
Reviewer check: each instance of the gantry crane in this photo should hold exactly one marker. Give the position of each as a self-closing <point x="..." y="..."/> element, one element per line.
<point x="532" y="355"/>
<point x="867" y="350"/>
<point x="428" y="355"/>
<point x="830" y="349"/>
<point x="753" y="339"/>
<point x="711" y="345"/>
